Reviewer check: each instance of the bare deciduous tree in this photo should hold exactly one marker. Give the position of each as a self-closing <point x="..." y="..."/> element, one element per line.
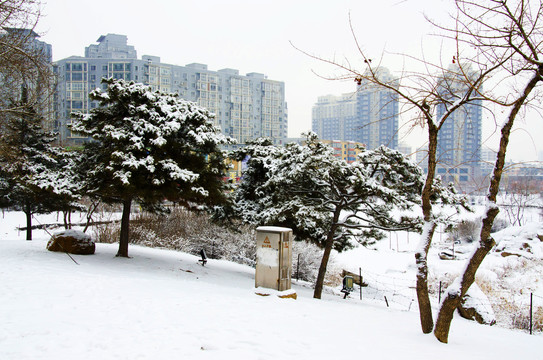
<point x="497" y="30"/>
<point x="452" y="87"/>
<point x="23" y="63"/>
<point x="497" y="43"/>
<point x="520" y="195"/>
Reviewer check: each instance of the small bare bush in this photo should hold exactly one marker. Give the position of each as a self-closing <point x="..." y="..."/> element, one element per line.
<point x="499" y="224"/>
<point x="192" y="232"/>
<point x="466" y="231"/>
<point x="107" y="233"/>
<point x="306" y="259"/>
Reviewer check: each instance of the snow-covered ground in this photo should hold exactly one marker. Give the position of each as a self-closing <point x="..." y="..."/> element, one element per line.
<point x="164" y="305"/>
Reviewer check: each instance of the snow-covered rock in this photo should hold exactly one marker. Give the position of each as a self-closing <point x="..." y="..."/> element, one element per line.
<point x="73" y="242"/>
<point x="476" y="306"/>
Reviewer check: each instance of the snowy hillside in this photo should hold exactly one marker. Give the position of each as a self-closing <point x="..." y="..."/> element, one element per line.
<point x="164" y="305"/>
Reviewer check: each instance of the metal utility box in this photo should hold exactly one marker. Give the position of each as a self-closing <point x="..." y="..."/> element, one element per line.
<point x="273" y="258"/>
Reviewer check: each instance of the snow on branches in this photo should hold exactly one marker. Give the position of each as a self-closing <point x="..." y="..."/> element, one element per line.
<point x="319" y="195"/>
<point x="148" y="138"/>
<point x="149" y="146"/>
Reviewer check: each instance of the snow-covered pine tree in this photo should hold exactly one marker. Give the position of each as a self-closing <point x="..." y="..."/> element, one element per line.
<point x="324" y="199"/>
<point x="147" y="147"/>
<point x="33" y="173"/>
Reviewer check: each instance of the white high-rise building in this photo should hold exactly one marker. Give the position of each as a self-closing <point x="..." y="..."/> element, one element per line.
<point x="245" y="106"/>
<point x="368" y="116"/>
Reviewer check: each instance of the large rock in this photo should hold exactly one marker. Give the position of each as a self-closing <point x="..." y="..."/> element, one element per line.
<point x="476" y="306"/>
<point x="73" y="242"/>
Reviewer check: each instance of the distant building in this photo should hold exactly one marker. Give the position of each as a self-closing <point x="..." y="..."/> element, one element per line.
<point x="297" y="140"/>
<point x="368" y="116"/>
<point x="335" y="117"/>
<point x="22" y="71"/>
<point x="459" y="140"/>
<point x="488" y="160"/>
<point x="346" y="150"/>
<point x="421" y="157"/>
<point x="246" y="106"/>
<point x="405" y="149"/>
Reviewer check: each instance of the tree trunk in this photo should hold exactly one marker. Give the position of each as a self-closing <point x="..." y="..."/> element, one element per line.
<point x="423" y="297"/>
<point x="125" y="228"/>
<point x="326" y="255"/>
<point x="421" y="256"/>
<point x="28" y="214"/>
<point x="322" y="269"/>
<point x="90" y="212"/>
<point x="65" y="219"/>
<point x="458" y="290"/>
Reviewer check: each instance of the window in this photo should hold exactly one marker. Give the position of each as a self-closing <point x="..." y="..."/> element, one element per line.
<point x="77" y="77"/>
<point x="77" y="104"/>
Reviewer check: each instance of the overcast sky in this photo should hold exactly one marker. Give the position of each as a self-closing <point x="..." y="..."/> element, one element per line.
<point x="256" y="36"/>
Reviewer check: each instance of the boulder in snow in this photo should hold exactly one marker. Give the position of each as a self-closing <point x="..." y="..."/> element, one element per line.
<point x="73" y="242"/>
<point x="476" y="306"/>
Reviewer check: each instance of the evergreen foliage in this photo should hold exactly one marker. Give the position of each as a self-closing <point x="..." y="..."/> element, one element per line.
<point x="303" y="186"/>
<point x="326" y="200"/>
<point x="147" y="147"/>
<point x="34" y="176"/>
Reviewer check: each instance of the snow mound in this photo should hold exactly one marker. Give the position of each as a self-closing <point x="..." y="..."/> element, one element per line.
<point x="525" y="241"/>
<point x="476" y="306"/>
<point x="76" y="234"/>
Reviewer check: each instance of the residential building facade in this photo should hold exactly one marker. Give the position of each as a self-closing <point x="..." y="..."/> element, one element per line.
<point x="27" y="65"/>
<point x="368" y="116"/>
<point x="459" y="139"/>
<point x="245" y="106"/>
<point x="346" y="150"/>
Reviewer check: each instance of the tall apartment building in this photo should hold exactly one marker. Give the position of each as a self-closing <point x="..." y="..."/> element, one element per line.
<point x="368" y="116"/>
<point x="459" y="140"/>
<point x="335" y="117"/>
<point x="31" y="71"/>
<point x="245" y="106"/>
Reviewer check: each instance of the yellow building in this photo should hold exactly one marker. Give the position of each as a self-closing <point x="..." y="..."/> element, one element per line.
<point x="347" y="150"/>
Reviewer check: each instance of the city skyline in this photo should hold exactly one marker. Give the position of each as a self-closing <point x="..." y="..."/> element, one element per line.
<point x="368" y="116"/>
<point x="245" y="106"/>
<point x="252" y="36"/>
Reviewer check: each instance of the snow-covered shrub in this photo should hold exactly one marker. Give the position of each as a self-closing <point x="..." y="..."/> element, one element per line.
<point x="306" y="258"/>
<point x="107" y="233"/>
<point x="191" y="232"/>
<point x="466" y="231"/>
<point x="499" y="224"/>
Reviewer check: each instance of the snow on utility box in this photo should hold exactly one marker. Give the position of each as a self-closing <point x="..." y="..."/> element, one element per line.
<point x="273" y="258"/>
